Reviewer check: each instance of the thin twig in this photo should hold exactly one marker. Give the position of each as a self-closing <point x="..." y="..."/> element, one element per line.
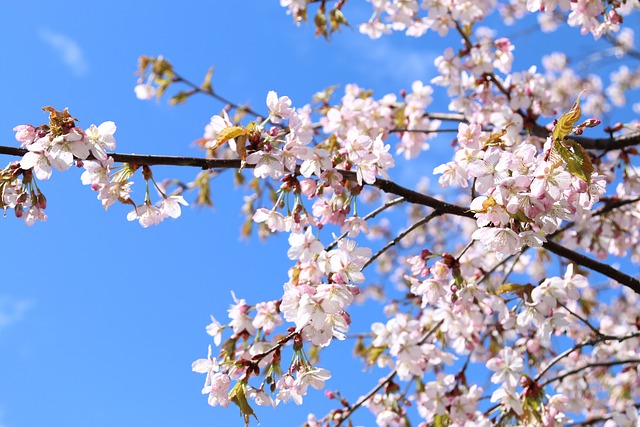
<point x="465" y="249"/>
<point x="582" y="319"/>
<point x="424" y="130"/>
<point x="592" y="342"/>
<point x="370" y="215"/>
<point x="512" y="266"/>
<point x="385" y="381"/>
<point x="401" y="236"/>
<point x="590" y="365"/>
<point x="209" y="91"/>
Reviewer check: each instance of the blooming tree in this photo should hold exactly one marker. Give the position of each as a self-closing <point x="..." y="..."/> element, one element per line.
<point x="474" y="329"/>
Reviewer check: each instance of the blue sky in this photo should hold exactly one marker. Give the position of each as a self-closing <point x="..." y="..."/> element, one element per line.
<point x="99" y="318"/>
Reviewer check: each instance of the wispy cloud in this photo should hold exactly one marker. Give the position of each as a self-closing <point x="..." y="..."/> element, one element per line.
<point x="68" y="50"/>
<point x="398" y="63"/>
<point x="12" y="311"/>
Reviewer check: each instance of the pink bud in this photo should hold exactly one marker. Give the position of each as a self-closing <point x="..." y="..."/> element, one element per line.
<point x="346" y="317"/>
<point x="329" y="394"/>
<point x="146" y="172"/>
<point x="41" y="201"/>
<point x="503" y="44"/>
<point x="591" y="123"/>
<point x="615" y="17"/>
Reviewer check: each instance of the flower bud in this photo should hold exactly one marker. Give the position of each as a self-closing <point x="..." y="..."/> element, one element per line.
<point x="346" y="317"/>
<point x="146" y="172"/>
<point x="615" y="17"/>
<point x="41" y="201"/>
<point x="592" y="122"/>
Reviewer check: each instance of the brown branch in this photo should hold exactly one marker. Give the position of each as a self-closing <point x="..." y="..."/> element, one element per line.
<point x="281" y="342"/>
<point x="594" y="265"/>
<point x="385" y="185"/>
<point x="370" y="215"/>
<point x="596" y="419"/>
<point x="446" y="117"/>
<point x="610" y="144"/>
<point x="582" y="319"/>
<point x="401" y="236"/>
<point x="400" y="130"/>
<point x="592" y="342"/>
<point x="209" y="91"/>
<point x="590" y="365"/>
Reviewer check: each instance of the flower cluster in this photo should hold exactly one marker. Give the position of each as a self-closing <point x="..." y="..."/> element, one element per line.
<point x="60" y="144"/>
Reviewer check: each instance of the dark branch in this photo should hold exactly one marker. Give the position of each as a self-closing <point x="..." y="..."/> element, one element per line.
<point x="590" y="365"/>
<point x="385" y="185"/>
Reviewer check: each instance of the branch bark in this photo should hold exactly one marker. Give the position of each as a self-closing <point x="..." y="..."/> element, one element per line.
<point x="383" y="184"/>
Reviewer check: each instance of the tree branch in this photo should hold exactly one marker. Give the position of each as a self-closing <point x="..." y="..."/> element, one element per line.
<point x="591" y="342"/>
<point x="383" y="184"/>
<point x="209" y="91"/>
<point x="590" y="365"/>
<point x="370" y="215"/>
<point x="401" y="236"/>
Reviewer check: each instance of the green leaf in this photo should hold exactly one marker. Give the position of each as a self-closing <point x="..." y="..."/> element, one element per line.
<point x="512" y="287"/>
<point x="320" y="21"/>
<point x="566" y="122"/>
<point x="179" y="98"/>
<point x="228" y="133"/>
<point x="238" y="396"/>
<point x="337" y="18"/>
<point x="374" y="354"/>
<point x="576" y="158"/>
<point x="206" y="84"/>
<point x="583" y="157"/>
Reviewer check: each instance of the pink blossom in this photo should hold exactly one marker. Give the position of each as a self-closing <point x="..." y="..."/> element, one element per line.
<point x="146" y="214"/>
<point x="267" y="317"/>
<point x="279" y="108"/>
<point x="25" y="134"/>
<point x="304" y="246"/>
<point x="170" y="206"/>
<point x="508" y="367"/>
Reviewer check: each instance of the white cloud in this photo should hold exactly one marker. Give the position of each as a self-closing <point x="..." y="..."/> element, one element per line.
<point x="12" y="311"/>
<point x="396" y="63"/>
<point x="68" y="50"/>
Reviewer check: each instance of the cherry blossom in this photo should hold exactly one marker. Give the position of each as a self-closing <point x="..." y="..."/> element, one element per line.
<point x="465" y="274"/>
